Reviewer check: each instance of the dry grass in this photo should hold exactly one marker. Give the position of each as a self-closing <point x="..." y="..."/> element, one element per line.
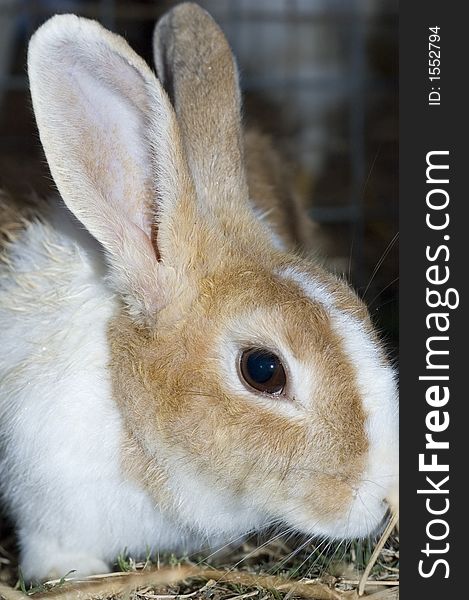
<point x="274" y="569"/>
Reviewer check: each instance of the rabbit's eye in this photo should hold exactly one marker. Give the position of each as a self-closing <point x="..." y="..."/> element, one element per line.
<point x="262" y="370"/>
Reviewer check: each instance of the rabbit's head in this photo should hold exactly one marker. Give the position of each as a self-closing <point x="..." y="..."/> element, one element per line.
<point x="252" y="386"/>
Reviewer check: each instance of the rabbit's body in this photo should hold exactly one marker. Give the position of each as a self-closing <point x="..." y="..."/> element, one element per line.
<point x="136" y="411"/>
<point x="60" y="420"/>
<point x="60" y="425"/>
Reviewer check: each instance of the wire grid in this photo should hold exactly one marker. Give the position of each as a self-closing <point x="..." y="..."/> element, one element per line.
<point x="256" y="27"/>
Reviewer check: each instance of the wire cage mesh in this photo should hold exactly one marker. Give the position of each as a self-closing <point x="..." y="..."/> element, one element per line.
<point x="319" y="75"/>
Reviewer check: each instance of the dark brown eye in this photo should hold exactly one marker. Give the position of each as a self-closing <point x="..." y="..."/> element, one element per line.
<point x="262" y="370"/>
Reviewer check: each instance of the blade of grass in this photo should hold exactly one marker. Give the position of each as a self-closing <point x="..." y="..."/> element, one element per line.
<point x="376" y="552"/>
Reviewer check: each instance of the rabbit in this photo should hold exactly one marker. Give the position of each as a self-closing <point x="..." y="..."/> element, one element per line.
<point x="174" y="373"/>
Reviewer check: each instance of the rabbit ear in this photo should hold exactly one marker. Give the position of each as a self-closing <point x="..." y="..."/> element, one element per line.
<point x="113" y="146"/>
<point x="195" y="64"/>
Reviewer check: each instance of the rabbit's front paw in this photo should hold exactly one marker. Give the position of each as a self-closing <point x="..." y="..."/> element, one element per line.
<point x="47" y="567"/>
<point x="76" y="566"/>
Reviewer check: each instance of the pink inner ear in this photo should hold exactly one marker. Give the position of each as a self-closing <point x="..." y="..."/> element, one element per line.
<point x="111" y="145"/>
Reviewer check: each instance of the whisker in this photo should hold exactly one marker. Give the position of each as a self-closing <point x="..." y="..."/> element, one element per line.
<point x="380" y="262"/>
<point x="370" y="304"/>
<point x="365" y="185"/>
